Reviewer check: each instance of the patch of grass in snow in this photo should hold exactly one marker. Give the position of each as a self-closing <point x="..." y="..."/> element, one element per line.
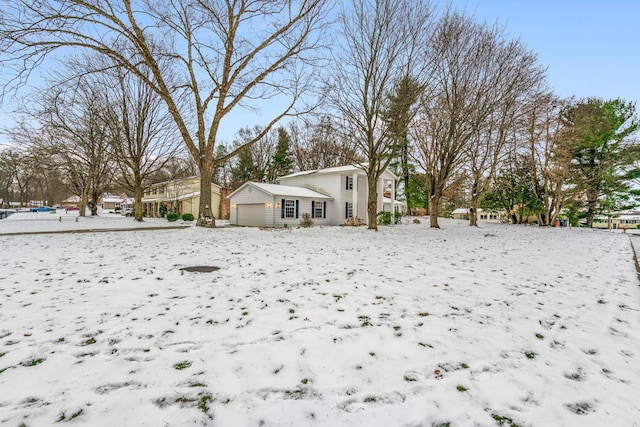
<point x="338" y="297"/>
<point x="365" y="321"/>
<point x="461" y="388"/>
<point x="277" y="370"/>
<point x="2" y="354"/>
<point x="76" y="414"/>
<point x="33" y="362"/>
<point x="305" y="381"/>
<point x="182" y="365"/>
<point x="370" y="399"/>
<point x="4" y="369"/>
<point x="540" y="336"/>
<point x="423" y="314"/>
<point x="530" y="354"/>
<point x="423" y="344"/>
<point x="90" y="341"/>
<point x="410" y="378"/>
<point x="203" y="403"/>
<point x="464" y="366"/>
<point x="504" y="421"/>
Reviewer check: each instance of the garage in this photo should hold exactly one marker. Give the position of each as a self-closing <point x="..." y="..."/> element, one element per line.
<point x="251" y="214"/>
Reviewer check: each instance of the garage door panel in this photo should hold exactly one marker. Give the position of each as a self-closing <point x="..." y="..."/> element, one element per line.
<point x="251" y="214"/>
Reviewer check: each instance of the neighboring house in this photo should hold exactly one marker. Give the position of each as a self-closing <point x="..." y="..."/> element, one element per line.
<point x="71" y="202"/>
<point x="113" y="201"/>
<point x="180" y="196"/>
<point x="330" y="195"/>
<point x="622" y="221"/>
<point x="463" y="213"/>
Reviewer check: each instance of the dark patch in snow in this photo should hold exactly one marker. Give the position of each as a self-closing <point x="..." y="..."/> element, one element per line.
<point x="201" y="269"/>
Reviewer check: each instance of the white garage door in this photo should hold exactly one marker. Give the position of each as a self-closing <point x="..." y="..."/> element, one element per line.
<point x="251" y="214"/>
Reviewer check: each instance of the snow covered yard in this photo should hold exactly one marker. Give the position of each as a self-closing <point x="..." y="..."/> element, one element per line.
<point x="500" y="325"/>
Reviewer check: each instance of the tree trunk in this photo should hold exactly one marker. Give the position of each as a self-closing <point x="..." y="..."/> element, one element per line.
<point x="473" y="209"/>
<point x="473" y="214"/>
<point x="137" y="198"/>
<point x="372" y="203"/>
<point x="205" y="215"/>
<point x="83" y="203"/>
<point x="434" y="202"/>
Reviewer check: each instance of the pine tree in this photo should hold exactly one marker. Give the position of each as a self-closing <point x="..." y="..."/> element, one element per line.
<point x="282" y="161"/>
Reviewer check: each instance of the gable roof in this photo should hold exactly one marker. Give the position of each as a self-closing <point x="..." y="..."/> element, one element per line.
<point x="282" y="190"/>
<point x="337" y="169"/>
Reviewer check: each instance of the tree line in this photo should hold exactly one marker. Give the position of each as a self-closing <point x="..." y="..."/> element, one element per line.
<point x="458" y="109"/>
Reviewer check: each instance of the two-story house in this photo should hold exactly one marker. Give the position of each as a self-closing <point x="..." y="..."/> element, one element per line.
<point x="330" y="196"/>
<point x="180" y="196"/>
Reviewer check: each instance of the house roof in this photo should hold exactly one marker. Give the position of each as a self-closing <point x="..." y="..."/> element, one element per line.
<point x="282" y="190"/>
<point x="337" y="169"/>
<point x="397" y="202"/>
<point x="464" y="211"/>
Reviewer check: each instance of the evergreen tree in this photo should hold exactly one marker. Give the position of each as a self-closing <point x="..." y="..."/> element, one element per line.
<point x="603" y="152"/>
<point x="282" y="160"/>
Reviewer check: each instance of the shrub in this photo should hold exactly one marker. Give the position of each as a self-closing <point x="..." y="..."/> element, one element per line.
<point x="187" y="217"/>
<point x="172" y="216"/>
<point x="384" y="218"/>
<point x="306" y="220"/>
<point x="354" y="222"/>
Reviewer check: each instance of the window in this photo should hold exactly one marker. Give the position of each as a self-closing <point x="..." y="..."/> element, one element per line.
<point x="349" y="210"/>
<point x="318" y="209"/>
<point x="349" y="183"/>
<point x="289" y="209"/>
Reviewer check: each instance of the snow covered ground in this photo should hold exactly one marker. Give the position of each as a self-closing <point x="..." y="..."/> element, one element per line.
<point x="327" y="326"/>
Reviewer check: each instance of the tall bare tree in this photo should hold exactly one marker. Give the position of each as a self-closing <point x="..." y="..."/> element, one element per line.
<point x="318" y="144"/>
<point x="221" y="54"/>
<point x="475" y="73"/>
<point x="143" y="136"/>
<point x="380" y="41"/>
<point x="65" y="128"/>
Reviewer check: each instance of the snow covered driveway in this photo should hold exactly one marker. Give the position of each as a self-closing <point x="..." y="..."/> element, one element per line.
<point x="329" y="326"/>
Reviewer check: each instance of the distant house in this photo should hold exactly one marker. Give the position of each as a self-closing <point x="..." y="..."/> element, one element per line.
<point x="330" y="196"/>
<point x="181" y="196"/>
<point x="113" y="201"/>
<point x="620" y="221"/>
<point x="464" y="213"/>
<point x="71" y="202"/>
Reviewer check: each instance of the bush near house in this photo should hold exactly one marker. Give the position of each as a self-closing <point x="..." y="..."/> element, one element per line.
<point x="384" y="218"/>
<point x="306" y="220"/>
<point x="187" y="217"/>
<point x="172" y="216"/>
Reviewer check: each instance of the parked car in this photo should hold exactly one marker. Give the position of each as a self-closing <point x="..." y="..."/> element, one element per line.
<point x="41" y="209"/>
<point x="72" y="208"/>
<point x="127" y="212"/>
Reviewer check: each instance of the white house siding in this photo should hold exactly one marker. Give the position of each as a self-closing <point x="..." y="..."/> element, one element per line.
<point x="332" y="184"/>
<point x="254" y="197"/>
<point x="304" y="206"/>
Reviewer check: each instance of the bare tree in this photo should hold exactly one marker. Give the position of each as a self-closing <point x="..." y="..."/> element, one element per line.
<point x="222" y="55"/>
<point x="469" y="83"/>
<point x="513" y="77"/>
<point x="144" y="138"/>
<point x="73" y="134"/>
<point x="549" y="149"/>
<point x="318" y="144"/>
<point x="380" y="40"/>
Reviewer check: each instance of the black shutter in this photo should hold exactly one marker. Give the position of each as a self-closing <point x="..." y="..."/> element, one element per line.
<point x="282" y="209"/>
<point x="297" y="207"/>
<point x="346" y="210"/>
<point x="346" y="185"/>
<point x="324" y="209"/>
<point x="313" y="209"/>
